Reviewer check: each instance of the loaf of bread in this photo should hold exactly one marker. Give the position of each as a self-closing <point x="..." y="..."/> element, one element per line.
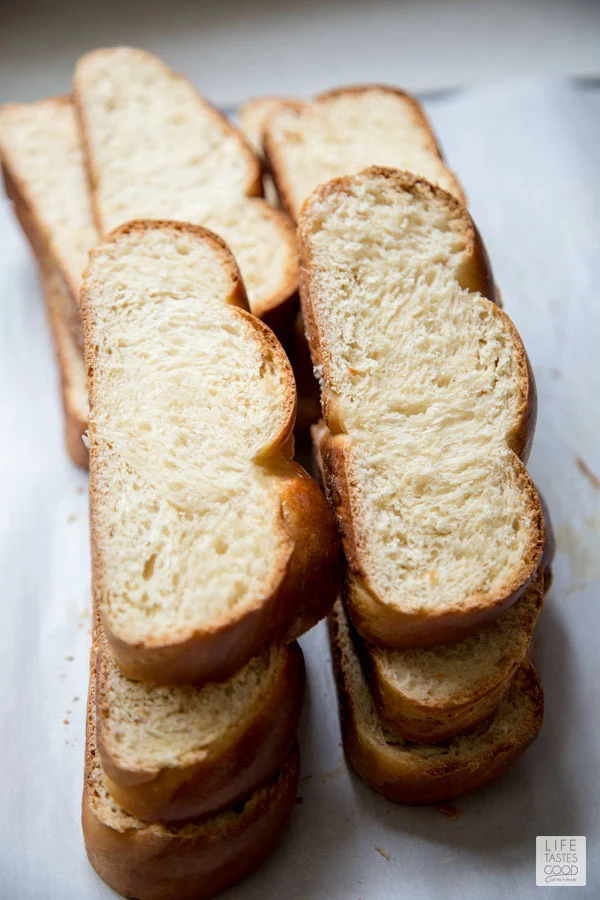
<point x="157" y="150"/>
<point x="342" y="132"/>
<point x="176" y="753"/>
<point x="192" y="407"/>
<point x="407" y="772"/>
<point x="430" y="405"/>
<point x="191" y="861"/>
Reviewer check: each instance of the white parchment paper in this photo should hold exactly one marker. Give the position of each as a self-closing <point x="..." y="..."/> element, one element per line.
<point x="527" y="153"/>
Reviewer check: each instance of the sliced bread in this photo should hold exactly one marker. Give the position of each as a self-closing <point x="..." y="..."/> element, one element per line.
<point x="45" y="176"/>
<point x="430" y="404"/>
<point x="428" y="695"/>
<point x="407" y="772"/>
<point x="191" y="861"/>
<point x="252" y="117"/>
<point x="207" y="540"/>
<point x="343" y="131"/>
<point x="178" y="752"/>
<point x="157" y="150"/>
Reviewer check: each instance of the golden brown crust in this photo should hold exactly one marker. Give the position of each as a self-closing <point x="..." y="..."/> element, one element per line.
<point x="189" y="862"/>
<point x="226" y="771"/>
<point x="305" y="581"/>
<point x="416" y="780"/>
<point x="375" y="620"/>
<point x="273" y="156"/>
<point x="430" y="721"/>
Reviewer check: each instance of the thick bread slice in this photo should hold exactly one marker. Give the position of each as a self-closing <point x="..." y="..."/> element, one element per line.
<point x="193" y="861"/>
<point x="157" y="150"/>
<point x="406" y="772"/>
<point x="207" y="541"/>
<point x="252" y="117"/>
<point x="45" y="173"/>
<point x="61" y="310"/>
<point x="343" y="131"/>
<point x="175" y="753"/>
<point x="428" y="695"/>
<point x="71" y="366"/>
<point x="430" y="404"/>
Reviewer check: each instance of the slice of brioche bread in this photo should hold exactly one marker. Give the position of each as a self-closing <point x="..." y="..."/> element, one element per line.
<point x="45" y="172"/>
<point x="345" y="130"/>
<point x="177" y="752"/>
<point x="406" y="772"/>
<point x="66" y="332"/>
<point x="191" y="861"/>
<point x="252" y="117"/>
<point x="157" y="150"/>
<point x="428" y="695"/>
<point x="70" y="364"/>
<point x="430" y="403"/>
<point x="207" y="540"/>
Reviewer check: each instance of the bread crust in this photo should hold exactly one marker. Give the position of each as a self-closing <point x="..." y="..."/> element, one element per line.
<point x="418" y="781"/>
<point x="375" y="620"/>
<point x="224" y="772"/>
<point x="189" y="862"/>
<point x="306" y="577"/>
<point x="274" y="159"/>
<point x="431" y="721"/>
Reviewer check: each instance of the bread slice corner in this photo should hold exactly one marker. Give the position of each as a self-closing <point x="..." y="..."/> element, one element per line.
<point x="413" y="773"/>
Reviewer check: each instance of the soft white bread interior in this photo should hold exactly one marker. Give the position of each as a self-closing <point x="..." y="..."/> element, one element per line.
<point x="191" y="861"/>
<point x="171" y="753"/>
<point x="429" y="401"/>
<point x="157" y="150"/>
<point x="208" y="541"/>
<point x="345" y="130"/>
<point x="407" y="772"/>
<point x="41" y="150"/>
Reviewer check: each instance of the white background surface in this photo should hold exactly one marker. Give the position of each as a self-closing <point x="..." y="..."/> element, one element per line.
<point x="527" y="155"/>
<point x="236" y="48"/>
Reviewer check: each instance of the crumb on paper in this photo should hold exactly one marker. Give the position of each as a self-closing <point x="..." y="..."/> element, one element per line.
<point x="65" y="721"/>
<point x="383" y="852"/>
<point x="79" y="489"/>
<point x="306" y="777"/>
<point x="71" y="518"/>
<point x="299" y="801"/>
<point x="445" y="860"/>
<point x="449" y="809"/>
<point x="587" y="473"/>
<point x="75" y="699"/>
<point x="334" y="773"/>
<point x="69" y="658"/>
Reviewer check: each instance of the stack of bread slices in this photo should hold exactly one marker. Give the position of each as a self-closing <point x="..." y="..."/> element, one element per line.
<point x="212" y="550"/>
<point x="428" y="410"/>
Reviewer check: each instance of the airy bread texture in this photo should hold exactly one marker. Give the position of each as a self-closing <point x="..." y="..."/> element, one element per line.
<point x="156" y="149"/>
<point x="41" y="153"/>
<point x="191" y="861"/>
<point x="406" y="772"/>
<point x="343" y="131"/>
<point x="178" y="752"/>
<point x="430" y="404"/>
<point x="208" y="541"/>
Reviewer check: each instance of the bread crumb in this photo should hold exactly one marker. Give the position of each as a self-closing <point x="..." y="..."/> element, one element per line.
<point x="448" y="809"/>
<point x="587" y="473"/>
<point x="75" y="699"/>
<point x="71" y="517"/>
<point x="383" y="852"/>
<point x="65" y="721"/>
<point x="299" y="801"/>
<point x="69" y="658"/>
<point x="79" y="489"/>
